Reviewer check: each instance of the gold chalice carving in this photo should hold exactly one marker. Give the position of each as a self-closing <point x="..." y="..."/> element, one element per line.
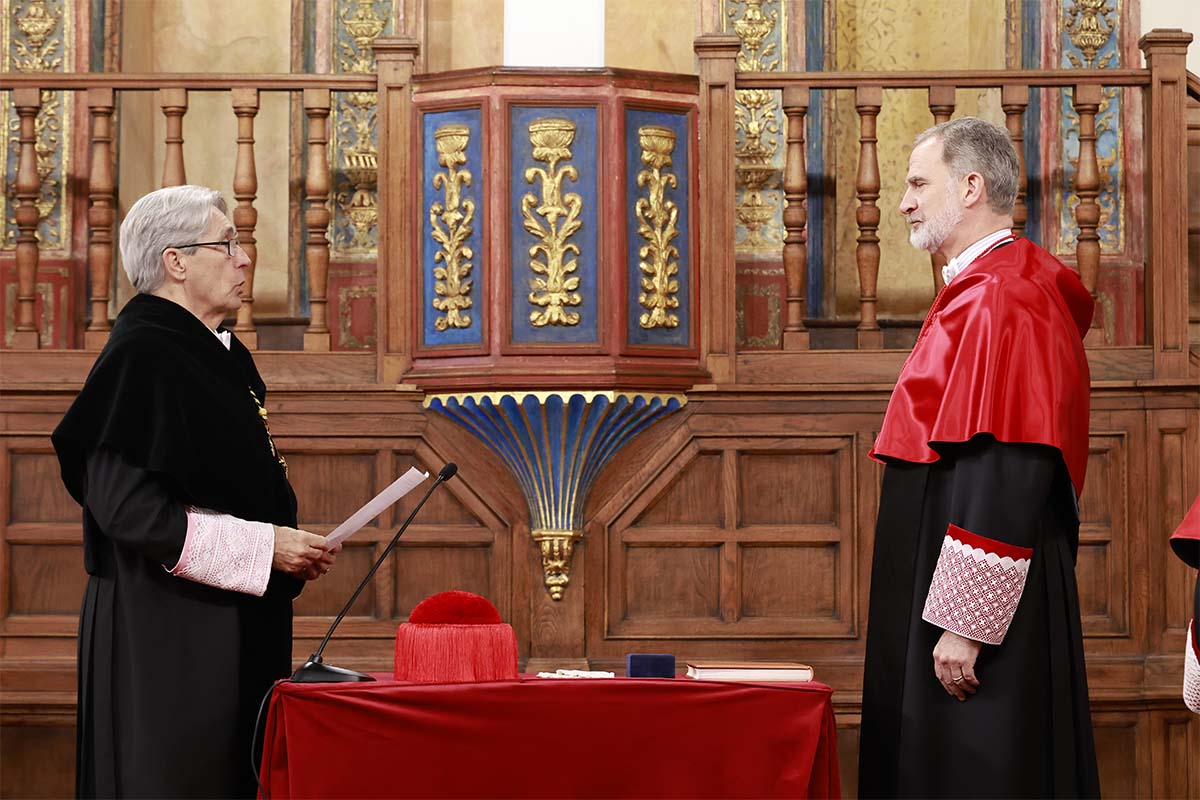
<point x="552" y="221"/>
<point x="451" y="224"/>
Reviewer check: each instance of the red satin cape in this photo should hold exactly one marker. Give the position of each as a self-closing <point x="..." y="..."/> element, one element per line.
<point x="1001" y="352"/>
<point x="1185" y="541"/>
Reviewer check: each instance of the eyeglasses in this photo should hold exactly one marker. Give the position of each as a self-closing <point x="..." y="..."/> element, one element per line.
<point x="231" y="246"/>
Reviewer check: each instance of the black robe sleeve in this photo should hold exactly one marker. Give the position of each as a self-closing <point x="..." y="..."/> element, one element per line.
<point x="1000" y="489"/>
<point x="133" y="508"/>
<point x="1000" y="493"/>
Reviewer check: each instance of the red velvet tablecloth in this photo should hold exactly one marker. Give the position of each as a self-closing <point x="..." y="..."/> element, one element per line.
<point x="562" y="738"/>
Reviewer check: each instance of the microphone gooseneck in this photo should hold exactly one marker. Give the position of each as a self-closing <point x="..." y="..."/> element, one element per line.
<point x="314" y="670"/>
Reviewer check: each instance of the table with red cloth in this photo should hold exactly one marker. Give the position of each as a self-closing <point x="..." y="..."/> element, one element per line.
<point x="542" y="737"/>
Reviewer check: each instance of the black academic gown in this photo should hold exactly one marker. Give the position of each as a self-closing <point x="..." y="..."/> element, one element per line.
<point x="987" y="429"/>
<point x="1027" y="732"/>
<point x="171" y="672"/>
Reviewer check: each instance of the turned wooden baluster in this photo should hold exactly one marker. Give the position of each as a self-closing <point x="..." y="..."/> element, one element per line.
<point x="868" y="100"/>
<point x="101" y="214"/>
<point x="245" y="215"/>
<point x="1087" y="99"/>
<point x="28" y="102"/>
<point x="795" y="215"/>
<point x="174" y="104"/>
<point x="316" y="217"/>
<point x="1013" y="99"/>
<point x="941" y="105"/>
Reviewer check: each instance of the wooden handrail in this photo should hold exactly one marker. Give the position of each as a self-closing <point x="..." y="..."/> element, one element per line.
<point x="990" y="78"/>
<point x="196" y="82"/>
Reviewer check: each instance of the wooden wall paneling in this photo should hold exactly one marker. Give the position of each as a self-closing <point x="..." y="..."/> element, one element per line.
<point x="1175" y="743"/>
<point x="1172" y="484"/>
<point x="38" y="761"/>
<point x="1123" y="751"/>
<point x="1102" y="562"/>
<point x="848" y="730"/>
<point x="41" y="572"/>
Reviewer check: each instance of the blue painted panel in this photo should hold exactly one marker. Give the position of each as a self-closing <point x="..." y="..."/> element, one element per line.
<point x="584" y="184"/>
<point x="472" y="192"/>
<point x="677" y="194"/>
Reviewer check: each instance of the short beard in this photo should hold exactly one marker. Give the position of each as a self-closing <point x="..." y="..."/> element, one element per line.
<point x="937" y="229"/>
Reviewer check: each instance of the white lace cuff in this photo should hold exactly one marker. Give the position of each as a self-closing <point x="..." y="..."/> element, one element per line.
<point x="1191" y="671"/>
<point x="226" y="552"/>
<point x="976" y="586"/>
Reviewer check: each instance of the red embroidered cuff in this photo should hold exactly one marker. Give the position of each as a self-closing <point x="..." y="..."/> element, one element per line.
<point x="1191" y="671"/>
<point x="976" y="585"/>
<point x="226" y="552"/>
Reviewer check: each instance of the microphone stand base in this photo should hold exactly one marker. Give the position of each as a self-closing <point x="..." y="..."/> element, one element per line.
<point x="317" y="672"/>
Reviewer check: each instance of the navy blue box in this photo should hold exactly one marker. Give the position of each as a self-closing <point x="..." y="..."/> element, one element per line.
<point x="650" y="665"/>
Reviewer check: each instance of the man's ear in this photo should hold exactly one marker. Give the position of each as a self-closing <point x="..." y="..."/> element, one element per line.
<point x="173" y="264"/>
<point x="976" y="190"/>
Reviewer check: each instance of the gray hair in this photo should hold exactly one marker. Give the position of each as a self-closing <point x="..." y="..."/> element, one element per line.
<point x="165" y="218"/>
<point x="971" y="144"/>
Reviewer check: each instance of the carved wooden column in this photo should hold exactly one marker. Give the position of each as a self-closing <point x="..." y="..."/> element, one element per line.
<point x="399" y="218"/>
<point x="316" y="217"/>
<point x="868" y="100"/>
<point x="795" y="216"/>
<point x="174" y="104"/>
<point x="941" y="105"/>
<point x="101" y="214"/>
<point x="28" y="102"/>
<point x="1167" y="194"/>
<point x="245" y="215"/>
<point x="717" y="53"/>
<point x="1086" y="99"/>
<point x="1013" y="99"/>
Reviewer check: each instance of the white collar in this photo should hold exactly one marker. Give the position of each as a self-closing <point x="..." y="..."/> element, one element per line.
<point x="963" y="260"/>
<point x="224" y="336"/>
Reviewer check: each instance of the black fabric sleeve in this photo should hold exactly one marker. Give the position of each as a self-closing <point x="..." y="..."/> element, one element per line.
<point x="1001" y="489"/>
<point x="133" y="507"/>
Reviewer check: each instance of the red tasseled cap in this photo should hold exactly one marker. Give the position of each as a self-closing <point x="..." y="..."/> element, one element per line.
<point x="455" y="637"/>
<point x="454" y="608"/>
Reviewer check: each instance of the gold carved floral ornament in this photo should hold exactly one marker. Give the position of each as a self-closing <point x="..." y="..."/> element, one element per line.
<point x="1089" y="25"/>
<point x="553" y="221"/>
<point x="657" y="218"/>
<point x="451" y="223"/>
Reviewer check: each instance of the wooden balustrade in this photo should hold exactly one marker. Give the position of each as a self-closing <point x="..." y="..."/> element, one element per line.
<point x="101" y="214"/>
<point x="174" y="104"/>
<point x="1086" y="99"/>
<point x="28" y="102"/>
<point x="245" y="215"/>
<point x="941" y="104"/>
<point x="795" y="217"/>
<point x="868" y="100"/>
<point x="1014" y="98"/>
<point x="316" y="218"/>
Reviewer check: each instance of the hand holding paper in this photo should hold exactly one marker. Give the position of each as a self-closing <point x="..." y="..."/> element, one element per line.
<point x="400" y="487"/>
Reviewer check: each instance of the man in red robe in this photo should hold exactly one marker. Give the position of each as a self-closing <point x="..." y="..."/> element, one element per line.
<point x="974" y="681"/>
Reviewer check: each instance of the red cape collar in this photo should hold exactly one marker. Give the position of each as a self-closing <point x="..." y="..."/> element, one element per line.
<point x="1001" y="352"/>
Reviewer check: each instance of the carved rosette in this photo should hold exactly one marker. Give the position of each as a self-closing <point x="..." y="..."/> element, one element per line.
<point x="555" y="444"/>
<point x="657" y="218"/>
<point x="451" y="222"/>
<point x="37" y="37"/>
<point x="552" y="220"/>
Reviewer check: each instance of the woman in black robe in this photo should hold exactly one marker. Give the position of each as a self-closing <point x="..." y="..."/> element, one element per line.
<point x="188" y="521"/>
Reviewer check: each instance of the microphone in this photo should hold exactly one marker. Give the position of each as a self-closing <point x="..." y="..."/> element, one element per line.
<point x="315" y="670"/>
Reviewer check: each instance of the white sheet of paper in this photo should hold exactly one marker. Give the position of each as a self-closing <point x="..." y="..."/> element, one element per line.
<point x="400" y="487"/>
